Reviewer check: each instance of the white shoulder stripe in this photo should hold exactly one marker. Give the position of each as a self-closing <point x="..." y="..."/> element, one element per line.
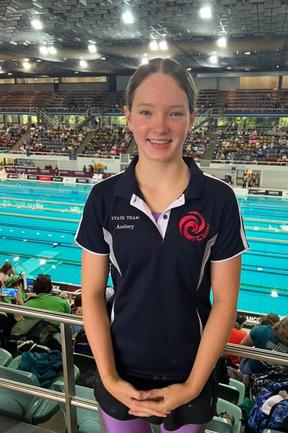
<point x="242" y="232"/>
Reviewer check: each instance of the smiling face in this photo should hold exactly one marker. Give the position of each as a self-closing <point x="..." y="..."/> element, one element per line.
<point x="159" y="118"/>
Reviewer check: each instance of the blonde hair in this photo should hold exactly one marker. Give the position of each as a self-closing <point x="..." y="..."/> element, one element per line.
<point x="281" y="329"/>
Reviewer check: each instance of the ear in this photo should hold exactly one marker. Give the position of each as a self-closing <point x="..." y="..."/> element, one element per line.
<point x="127" y="114"/>
<point x="191" y="121"/>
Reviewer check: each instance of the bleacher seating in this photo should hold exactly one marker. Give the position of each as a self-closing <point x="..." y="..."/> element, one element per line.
<point x="43" y="139"/>
<point x="23" y="99"/>
<point x="9" y="137"/>
<point x="106" y="141"/>
<point x="250" y="144"/>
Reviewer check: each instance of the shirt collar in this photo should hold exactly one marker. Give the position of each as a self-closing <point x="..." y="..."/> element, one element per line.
<point x="127" y="184"/>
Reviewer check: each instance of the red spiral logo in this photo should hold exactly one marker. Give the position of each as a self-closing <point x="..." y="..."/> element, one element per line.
<point x="193" y="226"/>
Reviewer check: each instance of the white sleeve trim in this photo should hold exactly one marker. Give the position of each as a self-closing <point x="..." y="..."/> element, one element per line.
<point x="229" y="258"/>
<point x="92" y="252"/>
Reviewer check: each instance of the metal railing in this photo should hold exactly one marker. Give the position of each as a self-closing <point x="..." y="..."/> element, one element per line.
<point x="68" y="397"/>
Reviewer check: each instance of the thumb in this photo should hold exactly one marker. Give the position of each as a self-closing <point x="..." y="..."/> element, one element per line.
<point x="140" y="395"/>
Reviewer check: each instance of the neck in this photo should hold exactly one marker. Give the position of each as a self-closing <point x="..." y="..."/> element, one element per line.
<point x="151" y="173"/>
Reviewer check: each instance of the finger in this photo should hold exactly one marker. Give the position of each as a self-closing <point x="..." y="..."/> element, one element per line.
<point x="155" y="393"/>
<point x="149" y="405"/>
<point x="139" y="395"/>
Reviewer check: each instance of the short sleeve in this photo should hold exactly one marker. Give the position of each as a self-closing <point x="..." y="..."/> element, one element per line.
<point x="231" y="240"/>
<point x="255" y="332"/>
<point x="90" y="234"/>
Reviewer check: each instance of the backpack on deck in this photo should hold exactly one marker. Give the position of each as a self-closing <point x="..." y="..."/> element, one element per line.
<point x="27" y="334"/>
<point x="258" y="381"/>
<point x="277" y="419"/>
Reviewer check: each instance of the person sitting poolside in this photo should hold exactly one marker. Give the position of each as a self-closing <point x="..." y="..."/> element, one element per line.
<point x="265" y="337"/>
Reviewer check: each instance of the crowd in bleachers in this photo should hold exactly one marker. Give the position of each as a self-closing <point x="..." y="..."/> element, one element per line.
<point x="196" y="144"/>
<point x="9" y="137"/>
<point x="246" y="144"/>
<point x="107" y="141"/>
<point x="46" y="139"/>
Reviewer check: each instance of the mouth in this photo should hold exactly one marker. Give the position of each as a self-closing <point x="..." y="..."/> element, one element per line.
<point x="159" y="143"/>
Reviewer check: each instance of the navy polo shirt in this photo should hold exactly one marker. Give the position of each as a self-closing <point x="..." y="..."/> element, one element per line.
<point x="161" y="270"/>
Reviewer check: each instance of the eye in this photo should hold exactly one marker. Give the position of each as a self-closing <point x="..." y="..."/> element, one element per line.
<point x="176" y="114"/>
<point x="145" y="113"/>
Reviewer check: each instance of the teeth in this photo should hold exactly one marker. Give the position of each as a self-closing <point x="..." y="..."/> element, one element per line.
<point x="159" y="141"/>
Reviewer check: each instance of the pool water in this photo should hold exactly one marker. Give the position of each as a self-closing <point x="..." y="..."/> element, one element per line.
<point x="38" y="222"/>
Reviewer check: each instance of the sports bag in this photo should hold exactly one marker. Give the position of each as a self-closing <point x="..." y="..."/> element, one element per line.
<point x="278" y="416"/>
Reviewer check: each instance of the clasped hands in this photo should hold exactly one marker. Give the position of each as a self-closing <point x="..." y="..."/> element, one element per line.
<point x="155" y="402"/>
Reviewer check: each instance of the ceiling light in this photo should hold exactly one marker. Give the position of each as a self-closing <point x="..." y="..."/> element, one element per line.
<point x="228" y="67"/>
<point x="188" y="69"/>
<point x="213" y="59"/>
<point x="1" y="70"/>
<point x="247" y="53"/>
<point x="52" y="50"/>
<point x="76" y="72"/>
<point x="13" y="43"/>
<point x="144" y="60"/>
<point x="83" y="63"/>
<point x="26" y="66"/>
<point x="103" y="58"/>
<point x="43" y="50"/>
<point x="36" y="24"/>
<point x="222" y="42"/>
<point x="127" y="17"/>
<point x="163" y="45"/>
<point x="205" y="12"/>
<point x="277" y="66"/>
<point x="26" y="60"/>
<point x="153" y="46"/>
<point x="38" y="60"/>
<point x="10" y="73"/>
<point x="92" y="48"/>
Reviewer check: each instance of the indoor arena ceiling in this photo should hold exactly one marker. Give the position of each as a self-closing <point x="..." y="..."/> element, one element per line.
<point x="256" y="33"/>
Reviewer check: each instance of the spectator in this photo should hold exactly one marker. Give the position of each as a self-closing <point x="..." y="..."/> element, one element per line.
<point x="269" y="319"/>
<point x="265" y="337"/>
<point x="5" y="271"/>
<point x="45" y="300"/>
<point x="236" y="336"/>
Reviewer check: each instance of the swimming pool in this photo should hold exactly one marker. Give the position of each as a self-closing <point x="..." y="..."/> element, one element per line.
<point x="38" y="222"/>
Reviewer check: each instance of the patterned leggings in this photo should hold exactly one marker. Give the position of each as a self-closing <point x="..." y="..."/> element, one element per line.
<point x="139" y="425"/>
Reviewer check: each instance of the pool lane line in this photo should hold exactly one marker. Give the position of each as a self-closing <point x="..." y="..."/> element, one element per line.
<point x="269" y="221"/>
<point x="40" y="241"/>
<point x="268" y="240"/>
<point x="258" y="220"/>
<point x="42" y="217"/>
<point x="263" y="287"/>
<point x="48" y="209"/>
<point x="265" y="229"/>
<point x="273" y="255"/>
<point x="42" y="201"/>
<point x="44" y="229"/>
<point x="33" y="256"/>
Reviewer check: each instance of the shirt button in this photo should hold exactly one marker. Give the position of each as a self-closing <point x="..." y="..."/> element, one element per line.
<point x="165" y="216"/>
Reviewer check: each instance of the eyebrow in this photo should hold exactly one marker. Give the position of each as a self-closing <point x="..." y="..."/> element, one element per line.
<point x="146" y="104"/>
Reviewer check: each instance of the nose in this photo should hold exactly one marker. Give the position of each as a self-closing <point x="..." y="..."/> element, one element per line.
<point x="160" y="123"/>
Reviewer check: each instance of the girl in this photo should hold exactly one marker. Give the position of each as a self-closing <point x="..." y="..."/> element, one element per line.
<point x="169" y="232"/>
